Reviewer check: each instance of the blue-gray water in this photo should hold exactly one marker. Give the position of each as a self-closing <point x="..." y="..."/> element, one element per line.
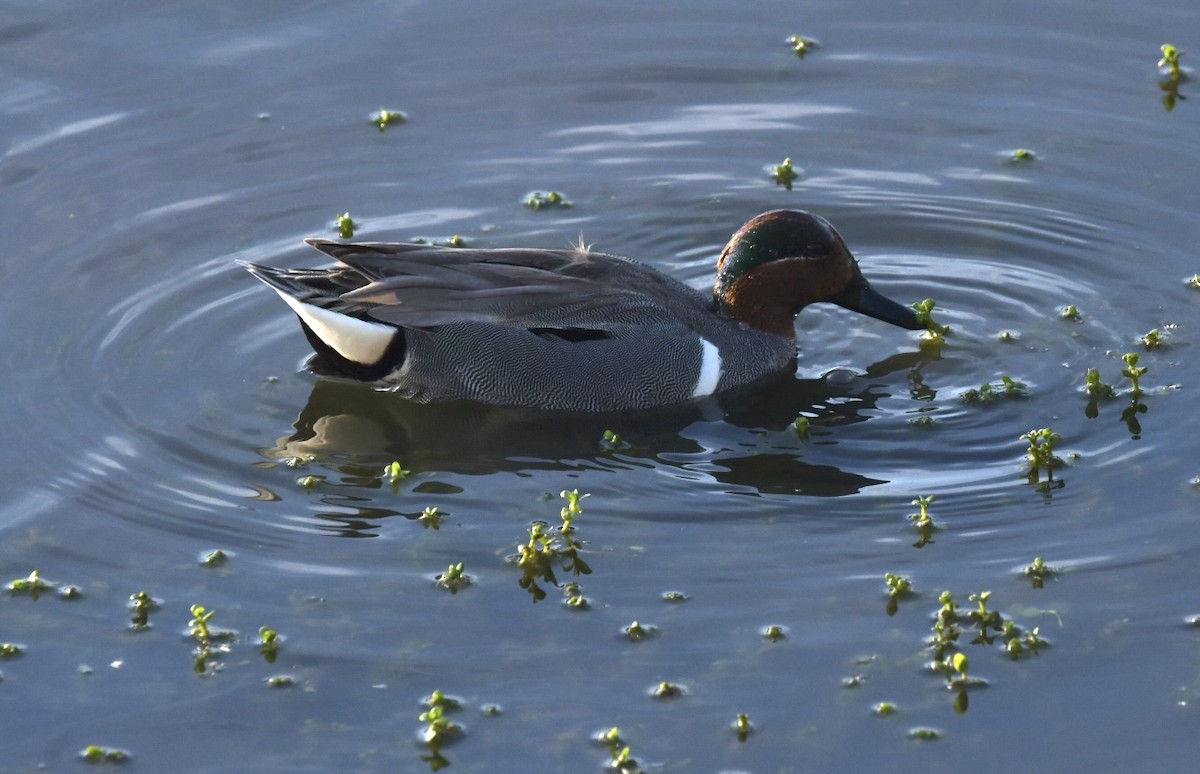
<point x="154" y="392"/>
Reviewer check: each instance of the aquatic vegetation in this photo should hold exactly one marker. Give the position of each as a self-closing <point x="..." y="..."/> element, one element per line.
<point x="742" y="726"/>
<point x="800" y="425"/>
<point x="207" y="638"/>
<point x="198" y="626"/>
<point x="94" y="753"/>
<point x="1007" y="388"/>
<point x="924" y="734"/>
<point x="33" y="585"/>
<point x="269" y="641"/>
<point x="453" y="579"/>
<point x="1096" y="388"/>
<point x="431" y="518"/>
<point x="546" y="548"/>
<point x="1071" y="312"/>
<point x="1023" y="154"/>
<point x="142" y="604"/>
<point x="1193" y="282"/>
<point x="1132" y="372"/>
<point x="1041" y="448"/>
<point x="785" y="174"/>
<point x="899" y="588"/>
<point x="884" y="709"/>
<point x="1170" y="62"/>
<point x="438" y="728"/>
<point x="310" y="482"/>
<point x="636" y="632"/>
<point x="1037" y="572"/>
<point x="613" y="442"/>
<point x="802" y="45"/>
<point x="774" y="633"/>
<point x="10" y="650"/>
<point x="934" y="335"/>
<point x="1008" y="336"/>
<point x="622" y="759"/>
<point x="537" y="200"/>
<point x="668" y="691"/>
<point x="345" y="225"/>
<point x="674" y="596"/>
<point x="573" y="597"/>
<point x="923" y="521"/>
<point x="280" y="681"/>
<point x="571" y="509"/>
<point x="1153" y="340"/>
<point x="395" y="473"/>
<point x="854" y="681"/>
<point x="385" y="118"/>
<point x="214" y="558"/>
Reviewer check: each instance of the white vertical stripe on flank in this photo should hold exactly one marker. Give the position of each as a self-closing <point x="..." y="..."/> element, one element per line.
<point x="710" y="370"/>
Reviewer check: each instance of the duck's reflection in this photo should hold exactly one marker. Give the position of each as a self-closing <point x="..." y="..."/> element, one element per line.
<point x="743" y="440"/>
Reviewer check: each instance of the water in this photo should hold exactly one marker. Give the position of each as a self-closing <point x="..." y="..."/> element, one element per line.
<point x="155" y="392"/>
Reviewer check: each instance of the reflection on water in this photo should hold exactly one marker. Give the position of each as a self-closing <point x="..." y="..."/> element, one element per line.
<point x="358" y="430"/>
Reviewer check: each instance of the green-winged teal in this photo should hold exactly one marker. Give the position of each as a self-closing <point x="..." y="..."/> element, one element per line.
<point x="571" y="329"/>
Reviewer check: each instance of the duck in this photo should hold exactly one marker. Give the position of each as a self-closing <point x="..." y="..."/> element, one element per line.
<point x="571" y="329"/>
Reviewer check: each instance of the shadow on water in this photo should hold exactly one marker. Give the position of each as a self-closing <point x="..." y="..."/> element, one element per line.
<point x="749" y="441"/>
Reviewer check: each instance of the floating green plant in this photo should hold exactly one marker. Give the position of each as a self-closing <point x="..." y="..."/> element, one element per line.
<point x="774" y="633"/>
<point x="310" y="482"/>
<point x="453" y="579"/>
<point x="438" y="728"/>
<point x="1070" y="312"/>
<point x="884" y="709"/>
<point x="395" y="473"/>
<point x="431" y="518"/>
<point x="11" y="650"/>
<point x="622" y="759"/>
<point x="572" y="509"/>
<point x="800" y="424"/>
<point x="1153" y="340"/>
<point x="742" y="726"/>
<point x="34" y="585"/>
<point x="198" y="627"/>
<point x="1095" y="387"/>
<point x="269" y="641"/>
<point x="1023" y="154"/>
<point x="280" y="681"/>
<point x="573" y="596"/>
<point x="1008" y="336"/>
<point x="612" y="441"/>
<point x="385" y="118"/>
<point x="1170" y="62"/>
<point x="679" y="596"/>
<point x="924" y="734"/>
<point x="537" y="200"/>
<point x="923" y="521"/>
<point x="142" y="604"/>
<point x="94" y="753"/>
<point x="345" y="225"/>
<point x="636" y="632"/>
<point x="934" y="335"/>
<point x="1041" y="448"/>
<point x="801" y="45"/>
<point x="214" y="558"/>
<point x="1132" y="372"/>
<point x="1007" y="388"/>
<point x="785" y="174"/>
<point x="898" y="588"/>
<point x="1193" y="282"/>
<point x="667" y="690"/>
<point x="1037" y="572"/>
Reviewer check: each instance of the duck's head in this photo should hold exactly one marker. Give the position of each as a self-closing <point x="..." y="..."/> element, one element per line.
<point x="784" y="260"/>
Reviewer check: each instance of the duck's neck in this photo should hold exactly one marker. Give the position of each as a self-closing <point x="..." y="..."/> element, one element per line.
<point x="767" y="299"/>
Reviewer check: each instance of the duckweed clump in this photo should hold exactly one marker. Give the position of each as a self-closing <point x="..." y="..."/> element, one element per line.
<point x="345" y="225"/>
<point x="453" y="579"/>
<point x="1169" y="65"/>
<point x="549" y="547"/>
<point x="142" y="604"/>
<point x="801" y="45"/>
<point x="923" y="521"/>
<point x="785" y="174"/>
<point x="1037" y="572"/>
<point x="987" y="393"/>
<point x="431" y="518"/>
<point x="538" y="200"/>
<point x="742" y="726"/>
<point x="1023" y="154"/>
<point x="898" y="587"/>
<point x="622" y="759"/>
<point x="385" y="118"/>
<point x="1132" y="372"/>
<point x="269" y="641"/>
<point x="934" y="335"/>
<point x="94" y="753"/>
<point x="1071" y="313"/>
<point x="1154" y="339"/>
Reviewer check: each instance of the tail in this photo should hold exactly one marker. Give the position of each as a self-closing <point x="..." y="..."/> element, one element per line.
<point x="346" y="340"/>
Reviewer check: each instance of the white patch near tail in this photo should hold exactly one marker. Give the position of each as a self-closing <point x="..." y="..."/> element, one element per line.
<point x="357" y="340"/>
<point x="710" y="370"/>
